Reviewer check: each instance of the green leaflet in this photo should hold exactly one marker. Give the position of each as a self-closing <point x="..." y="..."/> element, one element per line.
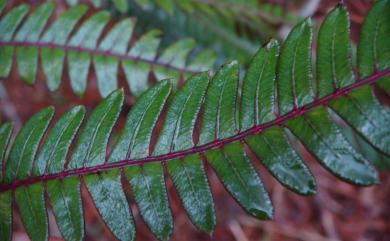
<point x="106" y="71"/>
<point x="136" y="76"/>
<point x="219" y="120"/>
<point x="87" y="35"/>
<point x="176" y="54"/>
<point x="107" y="194"/>
<point x="31" y="204"/>
<point x="137" y="73"/>
<point x="294" y="69"/>
<point x="27" y="61"/>
<point x="8" y="25"/>
<point x="362" y="111"/>
<point x="148" y="188"/>
<point x="91" y="146"/>
<point x="179" y="124"/>
<point x="52" y="155"/>
<point x="52" y="65"/>
<point x="258" y="90"/>
<point x="78" y="70"/>
<point x="277" y="155"/>
<point x="6" y="216"/>
<point x="334" y="68"/>
<point x="83" y="43"/>
<point x="21" y="157"/>
<point x="241" y="180"/>
<point x="147" y="46"/>
<point x="136" y="136"/>
<point x="324" y="140"/>
<point x="5" y="134"/>
<point x="190" y="181"/>
<point x="373" y="49"/>
<point x="65" y="199"/>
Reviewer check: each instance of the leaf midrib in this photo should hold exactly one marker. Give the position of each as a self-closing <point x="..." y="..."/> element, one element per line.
<point x="202" y="148"/>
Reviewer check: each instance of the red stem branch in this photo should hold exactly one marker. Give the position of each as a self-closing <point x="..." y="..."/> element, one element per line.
<point x="200" y="149"/>
<point x="93" y="52"/>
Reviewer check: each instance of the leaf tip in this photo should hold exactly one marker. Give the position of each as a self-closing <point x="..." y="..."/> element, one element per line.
<point x="262" y="214"/>
<point x="119" y="93"/>
<point x="307" y="22"/>
<point x="79" y="109"/>
<point x="49" y="110"/>
<point x="271" y="44"/>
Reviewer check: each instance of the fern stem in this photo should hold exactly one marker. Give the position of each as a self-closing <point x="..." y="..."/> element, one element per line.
<point x="68" y="48"/>
<point x="200" y="149"/>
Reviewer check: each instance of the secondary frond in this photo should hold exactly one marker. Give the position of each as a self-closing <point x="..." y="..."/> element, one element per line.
<point x="215" y="120"/>
<point x="90" y="42"/>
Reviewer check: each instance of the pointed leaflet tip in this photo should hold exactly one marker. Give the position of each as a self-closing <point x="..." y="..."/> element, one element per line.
<point x="202" y="74"/>
<point x="307" y="22"/>
<point x="230" y="64"/>
<point x="115" y="93"/>
<point x="164" y="83"/>
<point x="262" y="214"/>
<point x="271" y="43"/>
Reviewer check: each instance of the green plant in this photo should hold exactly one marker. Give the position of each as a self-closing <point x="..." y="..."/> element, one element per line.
<point x="81" y="49"/>
<point x="218" y="121"/>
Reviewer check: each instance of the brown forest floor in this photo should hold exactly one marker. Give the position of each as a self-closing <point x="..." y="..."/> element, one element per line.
<point x="338" y="211"/>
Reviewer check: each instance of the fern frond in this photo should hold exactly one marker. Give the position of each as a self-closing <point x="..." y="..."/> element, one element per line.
<point x="27" y="38"/>
<point x="214" y="120"/>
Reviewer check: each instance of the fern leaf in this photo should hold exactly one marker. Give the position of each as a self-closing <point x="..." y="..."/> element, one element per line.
<point x="189" y="177"/>
<point x="333" y="53"/>
<point x="5" y="197"/>
<point x="107" y="193"/>
<point x="276" y="153"/>
<point x="274" y="109"/>
<point x="65" y="199"/>
<point x="148" y="189"/>
<point x="241" y="180"/>
<point x="77" y="41"/>
<point x="294" y="88"/>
